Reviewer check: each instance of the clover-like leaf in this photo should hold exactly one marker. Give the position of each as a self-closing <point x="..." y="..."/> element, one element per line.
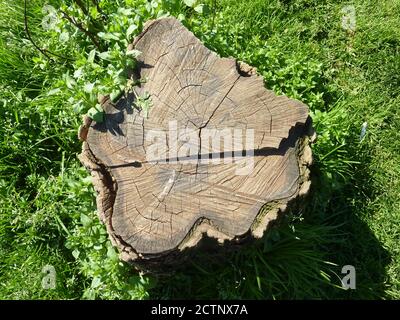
<point x="190" y="3"/>
<point x="96" y="113"/>
<point x="131" y="29"/>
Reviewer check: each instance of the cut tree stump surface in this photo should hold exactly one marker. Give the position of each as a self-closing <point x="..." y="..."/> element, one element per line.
<point x="158" y="201"/>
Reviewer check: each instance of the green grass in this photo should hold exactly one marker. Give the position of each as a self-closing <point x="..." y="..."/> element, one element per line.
<point x="47" y="207"/>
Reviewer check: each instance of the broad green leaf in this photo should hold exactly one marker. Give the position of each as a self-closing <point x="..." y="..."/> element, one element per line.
<point x="91" y="56"/>
<point x="130" y="63"/>
<point x="111" y="253"/>
<point x="88" y="88"/>
<point x="131" y="29"/>
<point x="148" y="6"/>
<point x="75" y="253"/>
<point x="78" y="107"/>
<point x="96" y="113"/>
<point x="78" y="73"/>
<point x="53" y="92"/>
<point x="134" y="53"/>
<point x="96" y="282"/>
<point x="64" y="37"/>
<point x="181" y="17"/>
<point x="115" y="95"/>
<point x="190" y="3"/>
<point x="93" y="12"/>
<point x="105" y="55"/>
<point x="70" y="82"/>
<point x="202" y="9"/>
<point x="125" y="12"/>
<point x="85" y="220"/>
<point x="109" y="35"/>
<point x="162" y="14"/>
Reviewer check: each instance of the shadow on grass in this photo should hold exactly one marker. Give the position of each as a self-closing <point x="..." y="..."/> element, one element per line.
<point x="300" y="258"/>
<point x="348" y="207"/>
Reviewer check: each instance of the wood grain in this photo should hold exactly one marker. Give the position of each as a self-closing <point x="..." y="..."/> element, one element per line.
<point x="157" y="205"/>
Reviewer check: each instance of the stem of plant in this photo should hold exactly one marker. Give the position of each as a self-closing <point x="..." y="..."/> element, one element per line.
<point x="28" y="34"/>
<point x="79" y="25"/>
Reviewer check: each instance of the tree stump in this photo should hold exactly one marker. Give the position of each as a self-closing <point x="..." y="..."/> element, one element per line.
<point x="216" y="155"/>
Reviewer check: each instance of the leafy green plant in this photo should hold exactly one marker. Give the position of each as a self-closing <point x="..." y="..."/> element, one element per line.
<point x="99" y="261"/>
<point x="105" y="28"/>
<point x="102" y="70"/>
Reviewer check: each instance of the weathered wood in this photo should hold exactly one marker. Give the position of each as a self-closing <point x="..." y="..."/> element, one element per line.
<point x="155" y="207"/>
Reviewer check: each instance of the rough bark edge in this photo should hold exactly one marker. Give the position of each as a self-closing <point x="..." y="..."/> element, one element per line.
<point x="272" y="211"/>
<point x="106" y="188"/>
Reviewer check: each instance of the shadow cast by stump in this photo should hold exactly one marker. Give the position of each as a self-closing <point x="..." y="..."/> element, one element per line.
<point x="217" y="274"/>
